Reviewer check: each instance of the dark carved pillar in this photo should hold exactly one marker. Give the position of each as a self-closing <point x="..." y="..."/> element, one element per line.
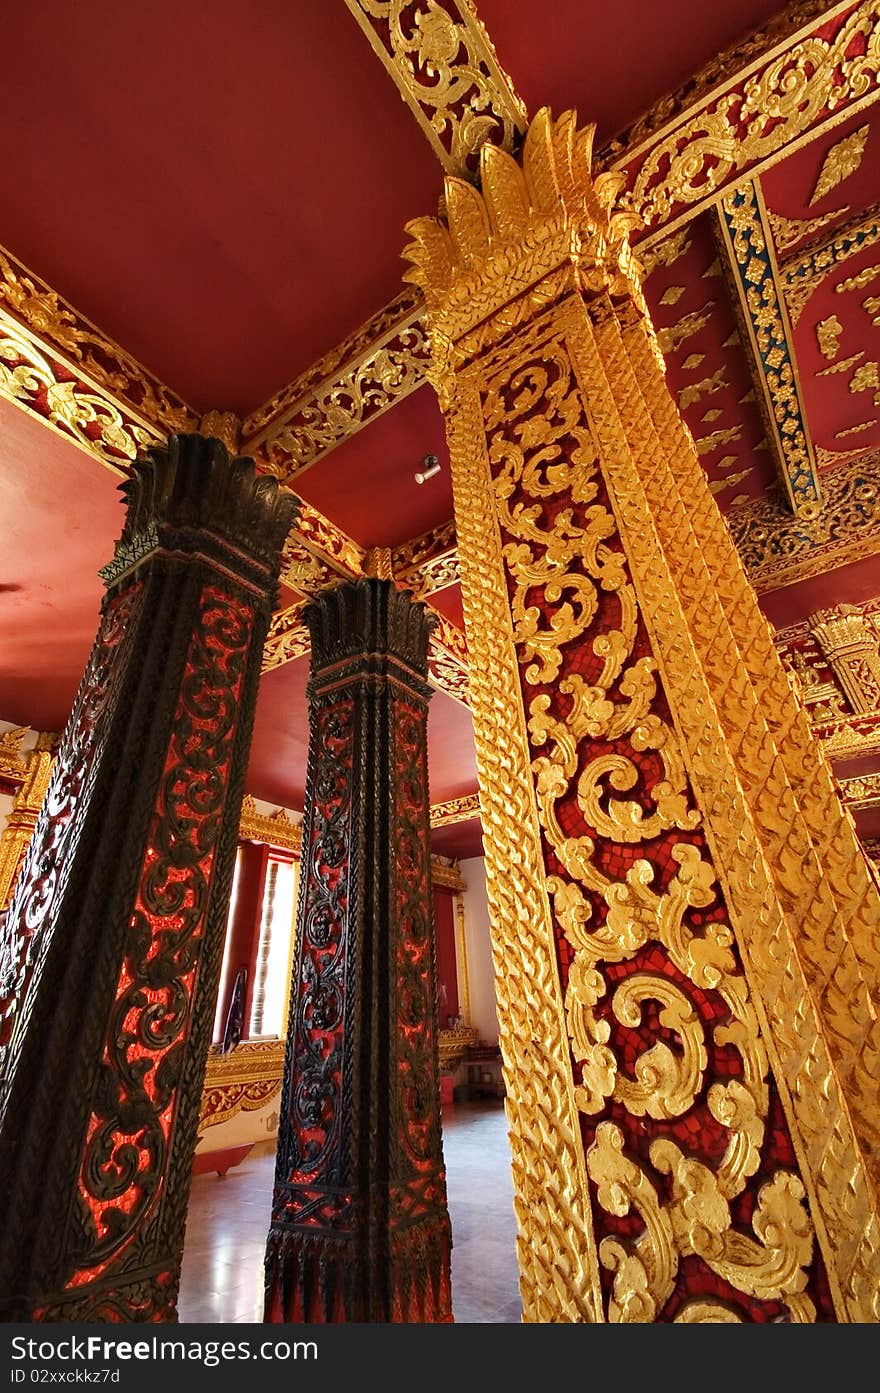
<point x="111" y="950"/>
<point x="360" y="1229"/>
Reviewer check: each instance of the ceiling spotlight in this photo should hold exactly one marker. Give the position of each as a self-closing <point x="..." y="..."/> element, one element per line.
<point x="430" y="467"/>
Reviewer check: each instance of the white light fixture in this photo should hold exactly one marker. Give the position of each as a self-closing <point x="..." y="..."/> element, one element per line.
<point x="430" y="467"/>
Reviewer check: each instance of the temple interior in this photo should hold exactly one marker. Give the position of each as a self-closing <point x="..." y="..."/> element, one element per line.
<point x="559" y="320"/>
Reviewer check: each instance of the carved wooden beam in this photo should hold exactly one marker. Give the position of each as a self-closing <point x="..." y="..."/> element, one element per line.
<point x="806" y="71"/>
<point x="372" y="370"/>
<point x="752" y="276"/>
<point x="427" y="563"/>
<point x="445" y="67"/>
<point x="455" y="810"/>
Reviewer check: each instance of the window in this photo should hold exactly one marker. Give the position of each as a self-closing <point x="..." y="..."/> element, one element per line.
<point x="272" y="966"/>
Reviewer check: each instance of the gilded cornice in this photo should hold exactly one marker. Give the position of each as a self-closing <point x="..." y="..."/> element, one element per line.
<point x="444" y="65"/>
<point x="747" y="245"/>
<point x="455" y="810"/>
<point x="245" y="1079"/>
<point x="356" y="382"/>
<point x="778" y="549"/>
<point x="427" y="563"/>
<point x="863" y="792"/>
<point x="823" y="71"/>
<point x="275" y="829"/>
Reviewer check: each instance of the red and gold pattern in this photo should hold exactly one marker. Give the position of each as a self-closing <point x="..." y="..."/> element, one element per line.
<point x="637" y="826"/>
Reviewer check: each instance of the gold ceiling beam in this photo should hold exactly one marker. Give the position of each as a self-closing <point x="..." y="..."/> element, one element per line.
<point x="387" y="358"/>
<point x="811" y="68"/>
<point x="427" y="563"/>
<point x="57" y="366"/>
<point x="447" y="71"/>
<point x="372" y="370"/>
<point x="752" y="276"/>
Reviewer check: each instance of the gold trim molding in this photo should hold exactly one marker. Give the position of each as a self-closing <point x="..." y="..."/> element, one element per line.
<point x="242" y="1081"/>
<point x="861" y="792"/>
<point x="445" y="67"/>
<point x="375" y="369"/>
<point x="275" y="829"/>
<point x="455" y="810"/>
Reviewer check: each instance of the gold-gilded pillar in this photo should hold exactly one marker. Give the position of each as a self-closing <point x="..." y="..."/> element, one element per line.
<point x="684" y="928"/>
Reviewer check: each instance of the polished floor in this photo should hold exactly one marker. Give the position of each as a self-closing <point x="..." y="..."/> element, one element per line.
<point x="222" y="1277"/>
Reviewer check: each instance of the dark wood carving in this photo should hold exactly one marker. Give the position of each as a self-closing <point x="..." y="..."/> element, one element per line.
<point x="111" y="950"/>
<point x="360" y="1229"/>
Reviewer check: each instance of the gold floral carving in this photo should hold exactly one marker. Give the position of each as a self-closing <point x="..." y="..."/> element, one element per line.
<point x="447" y="71"/>
<point x="859" y="280"/>
<point x="455" y="810"/>
<point x="437" y="573"/>
<point x="328" y="542"/>
<point x="862" y="792"/>
<point x="842" y="160"/>
<point x="347" y="351"/>
<point x="727" y="68"/>
<point x="802" y="274"/>
<point x="225" y="426"/>
<point x="287" y="639"/>
<point x="22" y="819"/>
<point x="778" y="549"/>
<point x="549" y="398"/>
<point x="90" y="417"/>
<point x="13" y="764"/>
<point x="360" y="390"/>
<point x="787" y="232"/>
<point x="815" y="79"/>
<point x="98" y="365"/>
<point x="424" y="547"/>
<point x="242" y="1081"/>
<point x="828" y="332"/>
<point x="665" y="252"/>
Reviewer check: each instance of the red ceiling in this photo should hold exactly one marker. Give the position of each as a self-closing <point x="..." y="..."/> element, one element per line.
<point x="201" y="181"/>
<point x="367" y="483"/>
<point x="610" y="62"/>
